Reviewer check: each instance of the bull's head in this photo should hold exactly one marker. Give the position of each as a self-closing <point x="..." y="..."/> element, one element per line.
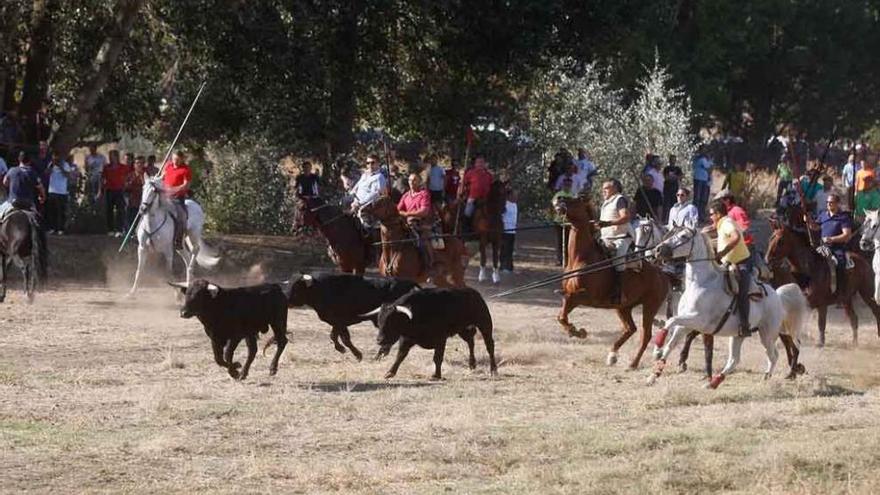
<point x="195" y="296"/>
<point x="389" y="319"/>
<point x="299" y="290"/>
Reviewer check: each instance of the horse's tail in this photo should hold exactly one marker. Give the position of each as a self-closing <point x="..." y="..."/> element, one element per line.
<point x="39" y="249"/>
<point x="207" y="256"/>
<point x="796" y="310"/>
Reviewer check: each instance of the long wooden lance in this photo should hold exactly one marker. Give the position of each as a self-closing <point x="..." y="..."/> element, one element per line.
<point x="164" y="162"/>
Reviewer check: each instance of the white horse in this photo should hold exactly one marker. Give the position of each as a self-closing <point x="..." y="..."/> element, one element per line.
<point x="871" y="241"/>
<point x="705" y="301"/>
<point x="155" y="233"/>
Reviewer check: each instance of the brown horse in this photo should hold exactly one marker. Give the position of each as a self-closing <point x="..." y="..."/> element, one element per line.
<point x="811" y="270"/>
<point x="401" y="257"/>
<point x="647" y="287"/>
<point x="488" y="228"/>
<point x="346" y="245"/>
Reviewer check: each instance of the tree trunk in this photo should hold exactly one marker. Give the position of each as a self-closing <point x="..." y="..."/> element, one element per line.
<point x="343" y="100"/>
<point x="39" y="61"/>
<point x="80" y="115"/>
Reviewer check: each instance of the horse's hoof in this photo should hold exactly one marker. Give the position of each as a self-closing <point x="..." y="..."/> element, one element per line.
<point x="359" y="356"/>
<point x="658" y="352"/>
<point x="682" y="367"/>
<point x="652" y="379"/>
<point x="612" y="359"/>
<point x="579" y="333"/>
<point x="435" y="378"/>
<point x="233" y="373"/>
<point x="800" y="369"/>
<point x="791" y="375"/>
<point x="659" y="366"/>
<point x="482" y="276"/>
<point x="766" y="376"/>
<point x="496" y="277"/>
<point x="389" y="375"/>
<point x="716" y="381"/>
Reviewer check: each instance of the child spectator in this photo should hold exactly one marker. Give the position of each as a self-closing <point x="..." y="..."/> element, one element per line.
<point x="509" y="236"/>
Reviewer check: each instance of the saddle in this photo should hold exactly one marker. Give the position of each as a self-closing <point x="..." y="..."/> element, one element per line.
<point x="832" y="264"/>
<point x="757" y="290"/>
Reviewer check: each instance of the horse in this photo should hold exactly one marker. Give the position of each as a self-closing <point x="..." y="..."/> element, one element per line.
<point x="870" y="241"/>
<point x="811" y="269"/>
<point x="648" y="233"/>
<point x="22" y="242"/>
<point x="155" y="233"/>
<point x="780" y="313"/>
<point x="488" y="228"/>
<point x="401" y="257"/>
<point x="346" y="245"/>
<point x="648" y="287"/>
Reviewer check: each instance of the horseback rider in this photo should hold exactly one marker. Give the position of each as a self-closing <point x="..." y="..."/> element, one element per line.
<point x="367" y="189"/>
<point x="24" y="186"/>
<point x="616" y="231"/>
<point x="177" y="177"/>
<point x="476" y="184"/>
<point x="732" y="250"/>
<point x="836" y="228"/>
<point x="415" y="207"/>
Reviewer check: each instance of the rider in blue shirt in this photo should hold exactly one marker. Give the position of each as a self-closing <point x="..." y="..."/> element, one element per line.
<point x="23" y="183"/>
<point x="836" y="229"/>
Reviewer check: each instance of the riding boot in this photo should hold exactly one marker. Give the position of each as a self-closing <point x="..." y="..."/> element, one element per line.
<point x="742" y="302"/>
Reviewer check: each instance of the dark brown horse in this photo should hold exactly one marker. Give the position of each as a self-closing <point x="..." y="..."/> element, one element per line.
<point x="401" y="257"/>
<point x="647" y="287"/>
<point x="22" y="242"/>
<point x="811" y="270"/>
<point x="345" y="240"/>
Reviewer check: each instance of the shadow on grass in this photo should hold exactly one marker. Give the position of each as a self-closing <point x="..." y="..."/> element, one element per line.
<point x="340" y="386"/>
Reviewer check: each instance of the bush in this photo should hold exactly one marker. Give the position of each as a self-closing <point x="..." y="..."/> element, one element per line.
<point x="246" y="191"/>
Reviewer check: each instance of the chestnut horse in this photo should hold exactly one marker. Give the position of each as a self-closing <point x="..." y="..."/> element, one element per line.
<point x="400" y="256"/>
<point x="812" y="270"/>
<point x="345" y="241"/>
<point x="648" y="287"/>
<point x="488" y="228"/>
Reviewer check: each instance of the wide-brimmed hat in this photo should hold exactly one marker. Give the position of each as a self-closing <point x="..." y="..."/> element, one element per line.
<point x="724" y="193"/>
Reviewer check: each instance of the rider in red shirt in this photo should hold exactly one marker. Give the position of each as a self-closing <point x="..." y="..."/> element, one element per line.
<point x="176" y="177"/>
<point x="475" y="184"/>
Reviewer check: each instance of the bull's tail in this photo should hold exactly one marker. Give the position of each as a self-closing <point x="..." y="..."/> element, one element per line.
<point x="39" y="249"/>
<point x="796" y="311"/>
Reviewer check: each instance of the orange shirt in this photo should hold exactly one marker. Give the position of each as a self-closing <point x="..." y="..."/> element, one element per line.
<point x="860" y="178"/>
<point x="176" y="176"/>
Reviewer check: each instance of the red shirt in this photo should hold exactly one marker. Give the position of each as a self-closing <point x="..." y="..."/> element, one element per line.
<point x="453" y="179"/>
<point x="415" y="202"/>
<point x="175" y="176"/>
<point x="738" y="215"/>
<point x="114" y="176"/>
<point x="478" y="182"/>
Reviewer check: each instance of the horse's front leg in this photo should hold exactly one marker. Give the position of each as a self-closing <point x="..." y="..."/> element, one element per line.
<point x="629" y="328"/>
<point x="142" y="261"/>
<point x="660" y="363"/>
<point x="732" y="360"/>
<point x="496" y="275"/>
<point x="482" y="276"/>
<point x="567" y="327"/>
<point x="3" y="266"/>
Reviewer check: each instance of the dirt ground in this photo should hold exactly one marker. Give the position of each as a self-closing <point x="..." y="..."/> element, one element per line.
<point x="99" y="393"/>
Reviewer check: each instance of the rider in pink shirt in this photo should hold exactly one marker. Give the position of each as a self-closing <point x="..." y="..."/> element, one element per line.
<point x="737" y="214"/>
<point x="415" y="207"/>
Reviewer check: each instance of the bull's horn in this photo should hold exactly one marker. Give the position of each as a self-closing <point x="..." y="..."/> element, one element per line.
<point x="213" y="289"/>
<point x="179" y="285"/>
<point x="308" y="279"/>
<point x="372" y="313"/>
<point x="405" y="310"/>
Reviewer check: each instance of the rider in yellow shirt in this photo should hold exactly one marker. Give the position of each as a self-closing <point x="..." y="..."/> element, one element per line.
<point x="732" y="250"/>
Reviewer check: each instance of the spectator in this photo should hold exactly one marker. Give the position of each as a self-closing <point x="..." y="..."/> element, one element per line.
<point x="570" y="174"/>
<point x="561" y="228"/>
<point x="113" y="191"/>
<point x="823" y="193"/>
<point x="783" y="176"/>
<point x="868" y="199"/>
<point x="134" y="189"/>
<point x="867" y="170"/>
<point x="557" y="167"/>
<point x="436" y="180"/>
<point x="736" y="180"/>
<point x="683" y="213"/>
<point x="59" y="172"/>
<point x="151" y="167"/>
<point x="652" y="168"/>
<point x="737" y="214"/>
<point x="672" y="174"/>
<point x="453" y="180"/>
<point x="702" y="182"/>
<point x="95" y="163"/>
<point x="41" y="163"/>
<point x="508" y="238"/>
<point x="586" y="170"/>
<point x="129" y="160"/>
<point x="649" y="201"/>
<point x="3" y="169"/>
<point x="848" y="174"/>
<point x="306" y="183"/>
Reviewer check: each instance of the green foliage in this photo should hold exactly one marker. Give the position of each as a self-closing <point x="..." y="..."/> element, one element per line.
<point x="246" y="192"/>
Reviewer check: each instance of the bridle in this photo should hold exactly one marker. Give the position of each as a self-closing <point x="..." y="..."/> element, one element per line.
<point x="146" y="206"/>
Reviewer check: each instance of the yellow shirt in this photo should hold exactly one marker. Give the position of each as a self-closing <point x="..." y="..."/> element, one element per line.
<point x="726" y="228"/>
<point x="737" y="183"/>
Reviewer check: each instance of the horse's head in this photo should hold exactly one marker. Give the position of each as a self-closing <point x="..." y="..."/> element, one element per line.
<point x="648" y="233"/>
<point x="578" y="211"/>
<point x="679" y="243"/>
<point x="383" y="208"/>
<point x="151" y="194"/>
<point x="781" y="244"/>
<point x="869" y="230"/>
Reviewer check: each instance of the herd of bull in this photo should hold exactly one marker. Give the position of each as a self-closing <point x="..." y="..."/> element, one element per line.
<point x="400" y="309"/>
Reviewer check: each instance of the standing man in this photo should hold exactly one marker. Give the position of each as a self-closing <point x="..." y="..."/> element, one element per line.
<point x="306" y="183"/>
<point x="586" y="170"/>
<point x="649" y="201"/>
<point x="868" y="199"/>
<point x="3" y="169"/>
<point x="616" y="231"/>
<point x="702" y="181"/>
<point x="683" y="213"/>
<point x="732" y="250"/>
<point x="652" y="168"/>
<point x="436" y="180"/>
<point x="113" y="191"/>
<point x="177" y="178"/>
<point x="783" y="176"/>
<point x="452" y="180"/>
<point x="508" y="238"/>
<point x="368" y="188"/>
<point x="571" y="173"/>
<point x="94" y="169"/>
<point x="475" y="186"/>
<point x="134" y="189"/>
<point x="848" y="174"/>
<point x="151" y="168"/>
<point x="59" y="172"/>
<point x="672" y="174"/>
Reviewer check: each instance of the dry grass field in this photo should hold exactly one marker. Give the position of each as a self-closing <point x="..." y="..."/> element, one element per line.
<point x="99" y="393"/>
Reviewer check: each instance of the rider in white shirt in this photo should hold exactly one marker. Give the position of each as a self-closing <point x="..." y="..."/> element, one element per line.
<point x="683" y="213"/>
<point x="369" y="187"/>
